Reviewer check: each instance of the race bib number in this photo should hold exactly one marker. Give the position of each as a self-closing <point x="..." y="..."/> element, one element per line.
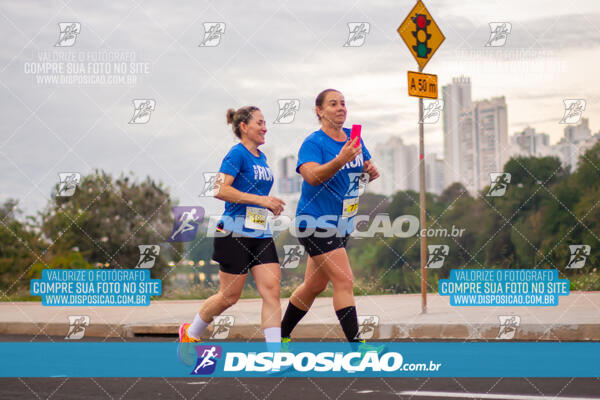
<point x="256" y="218"/>
<point x="350" y="207"/>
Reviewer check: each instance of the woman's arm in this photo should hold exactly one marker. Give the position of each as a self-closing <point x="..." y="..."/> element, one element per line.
<point x="228" y="193"/>
<point x="315" y="173"/>
<point x="370" y="169"/>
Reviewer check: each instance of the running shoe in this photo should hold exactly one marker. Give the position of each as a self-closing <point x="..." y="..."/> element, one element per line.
<point x="364" y="348"/>
<point x="186" y="351"/>
<point x="285" y="344"/>
<point x="285" y="348"/>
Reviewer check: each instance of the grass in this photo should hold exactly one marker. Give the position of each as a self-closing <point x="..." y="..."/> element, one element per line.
<point x="589" y="281"/>
<point x="362" y="287"/>
<point x="585" y="282"/>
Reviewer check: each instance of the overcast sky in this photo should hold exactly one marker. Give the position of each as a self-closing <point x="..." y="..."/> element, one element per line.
<point x="269" y="51"/>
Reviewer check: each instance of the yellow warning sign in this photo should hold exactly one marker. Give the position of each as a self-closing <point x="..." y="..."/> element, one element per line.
<point x="422" y="85"/>
<point x="421" y="34"/>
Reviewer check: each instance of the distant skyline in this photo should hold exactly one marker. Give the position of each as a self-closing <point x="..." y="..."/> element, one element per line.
<point x="268" y="52"/>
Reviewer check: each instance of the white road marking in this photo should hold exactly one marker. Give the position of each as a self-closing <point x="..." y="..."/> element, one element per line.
<point x="459" y="395"/>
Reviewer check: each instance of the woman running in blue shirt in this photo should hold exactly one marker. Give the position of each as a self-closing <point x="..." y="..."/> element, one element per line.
<point x="329" y="162"/>
<point x="245" y="243"/>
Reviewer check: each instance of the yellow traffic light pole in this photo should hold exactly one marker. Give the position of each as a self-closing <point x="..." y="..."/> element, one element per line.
<point x="422" y="36"/>
<point x="422" y="208"/>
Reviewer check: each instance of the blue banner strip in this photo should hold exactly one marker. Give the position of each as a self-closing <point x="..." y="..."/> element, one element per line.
<point x="307" y="359"/>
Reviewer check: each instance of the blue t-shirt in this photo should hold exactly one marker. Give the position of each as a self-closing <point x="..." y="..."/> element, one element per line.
<point x="338" y="196"/>
<point x="251" y="175"/>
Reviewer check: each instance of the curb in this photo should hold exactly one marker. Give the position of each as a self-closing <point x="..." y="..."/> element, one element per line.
<point x="559" y="332"/>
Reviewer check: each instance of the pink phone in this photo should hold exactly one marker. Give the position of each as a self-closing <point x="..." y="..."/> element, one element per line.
<point x="355" y="132"/>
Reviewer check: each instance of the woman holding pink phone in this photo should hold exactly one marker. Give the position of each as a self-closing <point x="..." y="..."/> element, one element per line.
<point x="328" y="161"/>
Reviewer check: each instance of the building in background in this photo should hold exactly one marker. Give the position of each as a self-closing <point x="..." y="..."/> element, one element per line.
<point x="490" y="132"/>
<point x="475" y="136"/>
<point x="468" y="151"/>
<point x="289" y="181"/>
<point x="476" y="139"/>
<point x="288" y="184"/>
<point x="576" y="141"/>
<point x="434" y="173"/>
<point x="528" y="143"/>
<point x="398" y="165"/>
<point x="457" y="100"/>
<point x="578" y="133"/>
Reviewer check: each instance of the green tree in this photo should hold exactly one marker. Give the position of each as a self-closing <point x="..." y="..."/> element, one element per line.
<point x="106" y="219"/>
<point x="20" y="247"/>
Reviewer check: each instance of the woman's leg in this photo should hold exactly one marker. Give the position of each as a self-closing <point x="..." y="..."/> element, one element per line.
<point x="315" y="281"/>
<point x="337" y="268"/>
<point x="230" y="289"/>
<point x="268" y="281"/>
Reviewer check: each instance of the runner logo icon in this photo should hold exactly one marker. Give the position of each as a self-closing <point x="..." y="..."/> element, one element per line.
<point x="207" y="359"/>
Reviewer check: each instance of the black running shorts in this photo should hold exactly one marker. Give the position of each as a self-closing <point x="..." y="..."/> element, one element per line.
<point x="320" y="245"/>
<point x="236" y="255"/>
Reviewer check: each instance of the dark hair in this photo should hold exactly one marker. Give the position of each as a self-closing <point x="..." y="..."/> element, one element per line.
<point x="235" y="118"/>
<point x="321" y="98"/>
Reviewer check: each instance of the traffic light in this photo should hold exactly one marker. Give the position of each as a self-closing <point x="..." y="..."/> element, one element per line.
<point x="421" y="35"/>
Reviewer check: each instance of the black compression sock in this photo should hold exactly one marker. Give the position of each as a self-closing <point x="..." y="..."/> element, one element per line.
<point x="349" y="322"/>
<point x="292" y="316"/>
